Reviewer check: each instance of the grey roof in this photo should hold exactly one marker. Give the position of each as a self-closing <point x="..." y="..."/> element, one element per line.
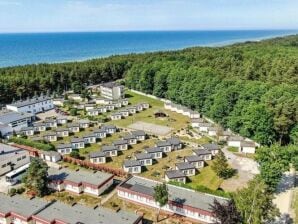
<point x="8" y="116"/>
<point x="193" y="158"/>
<point x="62" y="118"/>
<point x="153" y="150"/>
<point x="174" y="141"/>
<point x="211" y="146"/>
<point x="197" y="120"/>
<point x="132" y="163"/>
<point x="50" y="120"/>
<point x="212" y="129"/>
<point x="185" y="166"/>
<point x="101" y="130"/>
<point x="204" y="124"/>
<point x="235" y="138"/>
<point x="38" y="124"/>
<point x="163" y="143"/>
<point x="83" y="121"/>
<point x="80" y="176"/>
<point x="51" y="153"/>
<point x="174" y="174"/>
<point x="201" y="152"/>
<point x="21" y="205"/>
<point x="61" y="129"/>
<point x="74" y="140"/>
<point x="30" y="101"/>
<point x="7" y="151"/>
<point x="109" y="126"/>
<point x="70" y="125"/>
<point x="140" y="156"/>
<point x="27" y="128"/>
<point x="177" y="194"/>
<point x="97" y="154"/>
<point x="63" y="146"/>
<point x="50" y="133"/>
<point x="116" y="114"/>
<point x="127" y="137"/>
<point x="82" y="214"/>
<point x="110" y="84"/>
<point x="247" y="144"/>
<point x="89" y="135"/>
<point x="138" y="133"/>
<point x="120" y="142"/>
<point x="107" y="148"/>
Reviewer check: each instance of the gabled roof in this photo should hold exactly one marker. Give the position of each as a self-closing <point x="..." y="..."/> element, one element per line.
<point x="89" y="135"/>
<point x="75" y="140"/>
<point x="50" y="133"/>
<point x="172" y="174"/>
<point x="8" y="116"/>
<point x="141" y="156"/>
<point x="130" y="136"/>
<point x="97" y="154"/>
<point x="174" y="141"/>
<point x="193" y="158"/>
<point x="162" y="143"/>
<point x="61" y="129"/>
<point x="27" y="128"/>
<point x="99" y="130"/>
<point x="131" y="163"/>
<point x="185" y="166"/>
<point x="111" y="84"/>
<point x="63" y="146"/>
<point x="38" y="124"/>
<point x="70" y="125"/>
<point x="31" y="101"/>
<point x="211" y="146"/>
<point x="107" y="148"/>
<point x="201" y="152"/>
<point x="153" y="150"/>
<point x="247" y="144"/>
<point x="138" y="133"/>
<point x="83" y="121"/>
<point x="120" y="142"/>
<point x="109" y="126"/>
<point x="235" y="138"/>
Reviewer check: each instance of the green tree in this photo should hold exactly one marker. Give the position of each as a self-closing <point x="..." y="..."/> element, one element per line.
<point x="73" y="111"/>
<point x="255" y="203"/>
<point x="36" y="177"/>
<point x="221" y="167"/>
<point x="75" y="154"/>
<point x="161" y="196"/>
<point x="226" y="213"/>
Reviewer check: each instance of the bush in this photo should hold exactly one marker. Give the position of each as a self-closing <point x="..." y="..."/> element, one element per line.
<point x="12" y="191"/>
<point x="34" y="144"/>
<point x="20" y="190"/>
<point x="75" y="154"/>
<point x="73" y="112"/>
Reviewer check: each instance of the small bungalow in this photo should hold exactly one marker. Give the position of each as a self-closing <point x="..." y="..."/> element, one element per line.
<point x="139" y="107"/>
<point x="235" y="141"/>
<point x="155" y="152"/>
<point x="62" y="132"/>
<point x="132" y="166"/>
<point x="93" y="112"/>
<point x="132" y="109"/>
<point x="110" y="150"/>
<point x="144" y="158"/>
<point x="187" y="168"/>
<point x="131" y="139"/>
<point x="145" y="105"/>
<point x="50" y="136"/>
<point x="116" y="116"/>
<point x="28" y="131"/>
<point x="64" y="149"/>
<point x="39" y="127"/>
<point x="73" y="127"/>
<point x="212" y="131"/>
<point x="62" y="120"/>
<point x="102" y="110"/>
<point x="194" y="115"/>
<point x="124" y="112"/>
<point x="223" y="136"/>
<point x="121" y="144"/>
<point x="197" y="161"/>
<point x="100" y="100"/>
<point x="213" y="148"/>
<point x="97" y="157"/>
<point x="110" y="107"/>
<point x="84" y="123"/>
<point x="195" y="122"/>
<point x="117" y="104"/>
<point x="59" y="102"/>
<point x="75" y="97"/>
<point x="110" y="129"/>
<point x="89" y="107"/>
<point x="165" y="146"/>
<point x="247" y="147"/>
<point x="140" y="135"/>
<point x="100" y="133"/>
<point x="50" y="123"/>
<point x="175" y="175"/>
<point x="203" y="154"/>
<point x="175" y="142"/>
<point x="124" y="102"/>
<point x="50" y="156"/>
<point x="89" y="138"/>
<point x="203" y="127"/>
<point x="77" y="143"/>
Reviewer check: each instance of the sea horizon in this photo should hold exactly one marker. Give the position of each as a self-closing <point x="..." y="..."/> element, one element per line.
<point x="18" y="49"/>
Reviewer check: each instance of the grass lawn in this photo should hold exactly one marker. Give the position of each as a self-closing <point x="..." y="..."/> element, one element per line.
<point x="69" y="198"/>
<point x="175" y="120"/>
<point x="199" y="141"/>
<point x="207" y="178"/>
<point x="295" y="205"/>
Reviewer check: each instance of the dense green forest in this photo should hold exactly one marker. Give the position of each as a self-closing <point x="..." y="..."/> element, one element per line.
<point x="251" y="88"/>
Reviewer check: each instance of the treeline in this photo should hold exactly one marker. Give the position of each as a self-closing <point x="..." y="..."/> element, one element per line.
<point x="250" y="87"/>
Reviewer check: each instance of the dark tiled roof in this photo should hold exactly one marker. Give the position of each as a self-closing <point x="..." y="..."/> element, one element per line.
<point x="140" y="156"/>
<point x="185" y="166"/>
<point x="174" y="174"/>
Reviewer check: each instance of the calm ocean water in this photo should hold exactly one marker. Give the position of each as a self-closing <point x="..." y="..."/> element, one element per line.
<point x="20" y="49"/>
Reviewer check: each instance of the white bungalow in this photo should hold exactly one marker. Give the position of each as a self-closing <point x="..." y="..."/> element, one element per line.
<point x="64" y="149"/>
<point x="247" y="147"/>
<point x="110" y="150"/>
<point x="132" y="109"/>
<point x="62" y="120"/>
<point x="100" y="133"/>
<point x="84" y="123"/>
<point x="77" y="143"/>
<point x="155" y="152"/>
<point x="212" y="131"/>
<point x="124" y="102"/>
<point x="203" y="127"/>
<point x="195" y="122"/>
<point x="203" y="154"/>
<point x="235" y="141"/>
<point x="121" y="144"/>
<point x="89" y="107"/>
<point x="116" y="116"/>
<point x="39" y="127"/>
<point x="131" y="139"/>
<point x="50" y="156"/>
<point x="132" y="166"/>
<point x="89" y="138"/>
<point x="73" y="127"/>
<point x="145" y="105"/>
<point x="110" y="107"/>
<point x="140" y="135"/>
<point x="110" y="129"/>
<point x="139" y="107"/>
<point x="28" y="131"/>
<point x="93" y="112"/>
<point x="197" y="161"/>
<point x="51" y="123"/>
<point x="62" y="132"/>
<point x="187" y="168"/>
<point x="175" y="175"/>
<point x="50" y="136"/>
<point x="97" y="157"/>
<point x="144" y="158"/>
<point x="124" y="113"/>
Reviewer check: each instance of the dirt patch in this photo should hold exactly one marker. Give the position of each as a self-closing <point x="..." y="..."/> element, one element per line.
<point x="151" y="128"/>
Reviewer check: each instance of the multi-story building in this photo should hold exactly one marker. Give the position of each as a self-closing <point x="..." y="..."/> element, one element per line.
<point x="33" y="105"/>
<point x="182" y="201"/>
<point x="12" y="158"/>
<point x="112" y="90"/>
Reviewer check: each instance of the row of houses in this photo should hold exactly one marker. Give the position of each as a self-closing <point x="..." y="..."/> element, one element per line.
<point x="185" y="202"/>
<point x="129" y="111"/>
<point x="19" y="209"/>
<point x="99" y="157"/>
<point x="181" y="110"/>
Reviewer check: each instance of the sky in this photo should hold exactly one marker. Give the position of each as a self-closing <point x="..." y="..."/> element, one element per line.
<point x="128" y="15"/>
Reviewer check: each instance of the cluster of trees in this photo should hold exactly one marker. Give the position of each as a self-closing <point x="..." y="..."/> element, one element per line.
<point x="221" y="167"/>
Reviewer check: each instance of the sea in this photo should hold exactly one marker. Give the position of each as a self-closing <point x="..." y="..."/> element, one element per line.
<point x="34" y="48"/>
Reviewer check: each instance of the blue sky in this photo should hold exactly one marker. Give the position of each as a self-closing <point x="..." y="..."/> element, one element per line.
<point x="112" y="15"/>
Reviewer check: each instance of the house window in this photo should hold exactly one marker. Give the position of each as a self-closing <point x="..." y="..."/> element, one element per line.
<point x="136" y="169"/>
